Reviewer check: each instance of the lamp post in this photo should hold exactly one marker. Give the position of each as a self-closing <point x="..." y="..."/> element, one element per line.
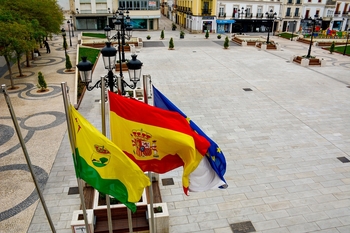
<point x="293" y="29"/>
<point x="71" y="25"/>
<point x="346" y="44"/>
<point x="312" y="35"/>
<point x="64" y="41"/>
<point x="241" y="13"/>
<point x="123" y="28"/>
<point x="70" y="39"/>
<point x="270" y="15"/>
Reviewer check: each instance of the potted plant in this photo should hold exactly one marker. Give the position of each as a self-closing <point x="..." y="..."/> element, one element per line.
<point x="182" y="34"/>
<point x="173" y="27"/>
<point x="226" y="43"/>
<point x="171" y="44"/>
<point x="41" y="83"/>
<point x="219" y="36"/>
<point x="207" y="34"/>
<point x="148" y="37"/>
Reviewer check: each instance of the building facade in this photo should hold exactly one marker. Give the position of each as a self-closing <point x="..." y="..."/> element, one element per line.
<point x="96" y="14"/>
<point x="239" y="16"/>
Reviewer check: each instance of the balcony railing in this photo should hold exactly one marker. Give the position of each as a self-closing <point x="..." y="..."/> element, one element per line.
<point x="206" y="11"/>
<point x="248" y="15"/>
<point x="296" y="15"/>
<point x="259" y="15"/>
<point x="288" y="15"/>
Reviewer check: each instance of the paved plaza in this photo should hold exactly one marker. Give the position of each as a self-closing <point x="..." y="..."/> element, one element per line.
<point x="283" y="128"/>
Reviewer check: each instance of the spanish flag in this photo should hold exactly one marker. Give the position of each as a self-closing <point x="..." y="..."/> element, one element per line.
<point x="103" y="165"/>
<point x="157" y="140"/>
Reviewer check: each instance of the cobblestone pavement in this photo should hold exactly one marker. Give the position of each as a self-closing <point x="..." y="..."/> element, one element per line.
<point x="282" y="139"/>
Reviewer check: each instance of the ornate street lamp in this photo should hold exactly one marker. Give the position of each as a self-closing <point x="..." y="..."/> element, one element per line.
<point x="241" y="13"/>
<point x="271" y="16"/>
<point x="70" y="39"/>
<point x="64" y="41"/>
<point x="71" y="25"/>
<point x="312" y="33"/>
<point x="112" y="80"/>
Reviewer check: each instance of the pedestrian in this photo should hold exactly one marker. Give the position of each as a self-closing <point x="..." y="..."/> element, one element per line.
<point x="47" y="46"/>
<point x="36" y="50"/>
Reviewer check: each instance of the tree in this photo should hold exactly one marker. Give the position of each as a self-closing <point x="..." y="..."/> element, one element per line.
<point x="171" y="44"/>
<point x="207" y="34"/>
<point x="68" y="63"/>
<point x="331" y="49"/>
<point x="41" y="82"/>
<point x="23" y="23"/>
<point x="162" y="35"/>
<point x="226" y="43"/>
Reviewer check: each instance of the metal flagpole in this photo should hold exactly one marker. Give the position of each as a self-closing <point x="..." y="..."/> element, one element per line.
<point x="25" y="152"/>
<point x="72" y="143"/>
<point x="151" y="217"/>
<point x="151" y="214"/>
<point x="103" y="118"/>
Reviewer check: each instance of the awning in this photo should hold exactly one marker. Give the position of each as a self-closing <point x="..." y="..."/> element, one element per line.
<point x="223" y="21"/>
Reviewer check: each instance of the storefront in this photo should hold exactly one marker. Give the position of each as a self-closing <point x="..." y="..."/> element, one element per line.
<point x="207" y="23"/>
<point x="224" y="26"/>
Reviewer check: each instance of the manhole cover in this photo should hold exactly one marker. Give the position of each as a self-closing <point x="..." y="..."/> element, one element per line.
<point x="73" y="190"/>
<point x="242" y="227"/>
<point x="343" y="159"/>
<point x="167" y="181"/>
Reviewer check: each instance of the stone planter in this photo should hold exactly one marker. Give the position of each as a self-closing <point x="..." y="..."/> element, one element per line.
<point x="124" y="67"/>
<point x="98" y="205"/>
<point x="78" y="223"/>
<point x="161" y="219"/>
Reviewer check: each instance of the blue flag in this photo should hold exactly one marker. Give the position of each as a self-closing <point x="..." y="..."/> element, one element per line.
<point x="214" y="154"/>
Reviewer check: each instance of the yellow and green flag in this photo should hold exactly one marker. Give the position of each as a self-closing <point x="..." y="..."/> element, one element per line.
<point x="103" y="165"/>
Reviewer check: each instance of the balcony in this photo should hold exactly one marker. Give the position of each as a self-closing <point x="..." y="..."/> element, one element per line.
<point x="296" y="15"/>
<point x="288" y="15"/>
<point x="259" y="15"/>
<point x="248" y="15"/>
<point x="222" y="15"/>
<point x="206" y="11"/>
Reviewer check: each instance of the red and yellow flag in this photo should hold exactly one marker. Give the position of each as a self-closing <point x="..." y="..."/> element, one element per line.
<point x="157" y="140"/>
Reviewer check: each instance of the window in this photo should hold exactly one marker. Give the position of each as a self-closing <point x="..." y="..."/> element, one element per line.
<point x="296" y="12"/>
<point x="288" y="12"/>
<point x="221" y="11"/>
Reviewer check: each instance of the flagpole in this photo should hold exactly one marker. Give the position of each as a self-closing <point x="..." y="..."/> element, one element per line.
<point x="72" y="144"/>
<point x="145" y="87"/>
<point x="151" y="217"/>
<point x="151" y="202"/>
<point x="24" y="149"/>
<point x="103" y="118"/>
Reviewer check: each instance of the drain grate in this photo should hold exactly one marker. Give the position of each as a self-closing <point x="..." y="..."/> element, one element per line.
<point x="167" y="181"/>
<point x="343" y="159"/>
<point x="247" y="89"/>
<point x="73" y="190"/>
<point x="242" y="227"/>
